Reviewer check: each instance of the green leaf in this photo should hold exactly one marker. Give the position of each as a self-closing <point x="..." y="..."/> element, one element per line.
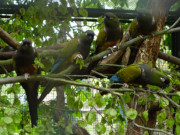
<point x="178" y="93"/>
<point x="61" y="122"/>
<point x="99" y="100"/>
<point x="120" y="130"/>
<point x="10" y="111"/>
<point x="40" y="128"/>
<point x="100" y="128"/>
<point x="78" y="104"/>
<point x="113" y="113"/>
<point x="70" y="101"/>
<point x="177" y="130"/>
<point x="82" y="123"/>
<point x="17" y="22"/>
<point x="17" y="119"/>
<point x="7" y="120"/>
<point x="30" y="10"/>
<point x="22" y="11"/>
<point x="112" y="133"/>
<point x="90" y="117"/>
<point x="100" y="19"/>
<point x="1" y="130"/>
<point x="152" y="97"/>
<point x="176" y="99"/>
<point x="80" y="62"/>
<point x="91" y="102"/>
<point x="127" y="97"/>
<point x="27" y="128"/>
<point x="16" y="102"/>
<point x="177" y="118"/>
<point x="85" y="22"/>
<point x="163" y="102"/>
<point x="69" y="129"/>
<point x="146" y="133"/>
<point x="11" y="129"/>
<point x="83" y="12"/>
<point x="145" y="115"/>
<point x="169" y="123"/>
<point x="161" y="117"/>
<point x="131" y="114"/>
<point x="142" y="101"/>
<point x="38" y="63"/>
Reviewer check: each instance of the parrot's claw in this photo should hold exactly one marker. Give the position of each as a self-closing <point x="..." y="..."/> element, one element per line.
<point x="126" y="85"/>
<point x="112" y="48"/>
<point x="26" y="75"/>
<point x="78" y="56"/>
<point x="141" y="36"/>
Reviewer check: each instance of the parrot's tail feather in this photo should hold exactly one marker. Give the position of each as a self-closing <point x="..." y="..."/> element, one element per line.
<point x="33" y="106"/>
<point x="44" y="93"/>
<point x="57" y="65"/>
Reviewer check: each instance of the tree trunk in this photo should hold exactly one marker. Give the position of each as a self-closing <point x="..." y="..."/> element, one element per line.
<point x="60" y="103"/>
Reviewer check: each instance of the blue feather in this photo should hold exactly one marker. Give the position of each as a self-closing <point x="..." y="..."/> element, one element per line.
<point x="115" y="78"/>
<point x="130" y="38"/>
<point x="57" y="65"/>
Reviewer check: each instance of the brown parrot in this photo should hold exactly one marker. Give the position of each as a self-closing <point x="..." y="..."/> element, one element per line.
<point x="23" y="61"/>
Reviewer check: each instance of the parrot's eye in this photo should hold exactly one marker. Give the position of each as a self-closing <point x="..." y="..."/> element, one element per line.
<point x="162" y="79"/>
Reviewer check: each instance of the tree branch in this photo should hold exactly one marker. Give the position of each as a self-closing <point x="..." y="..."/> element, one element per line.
<point x="151" y="129"/>
<point x="52" y="78"/>
<point x="8" y="39"/>
<point x="169" y="58"/>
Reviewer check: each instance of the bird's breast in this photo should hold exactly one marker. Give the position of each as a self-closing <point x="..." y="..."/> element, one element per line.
<point x="30" y="69"/>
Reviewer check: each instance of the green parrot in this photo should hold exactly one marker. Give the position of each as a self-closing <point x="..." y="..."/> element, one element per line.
<point x="110" y="35"/>
<point x="141" y="74"/>
<point x="143" y="24"/>
<point x="23" y="61"/>
<point x="77" y="47"/>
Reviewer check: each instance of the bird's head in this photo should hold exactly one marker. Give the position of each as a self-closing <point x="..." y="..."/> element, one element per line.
<point x="111" y="20"/>
<point x="143" y="16"/>
<point x="89" y="35"/>
<point x="26" y="45"/>
<point x="165" y="81"/>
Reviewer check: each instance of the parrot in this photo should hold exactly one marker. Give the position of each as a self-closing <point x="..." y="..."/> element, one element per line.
<point x="141" y="74"/>
<point x="143" y="24"/>
<point x="77" y="47"/>
<point x="23" y="62"/>
<point x="109" y="35"/>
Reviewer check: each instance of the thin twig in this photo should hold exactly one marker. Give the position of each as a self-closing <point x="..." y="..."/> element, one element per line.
<point x="174" y="24"/>
<point x="99" y="74"/>
<point x="172" y="102"/>
<point x="152" y="129"/>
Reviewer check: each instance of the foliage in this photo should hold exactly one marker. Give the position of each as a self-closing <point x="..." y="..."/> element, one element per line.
<point x="42" y="26"/>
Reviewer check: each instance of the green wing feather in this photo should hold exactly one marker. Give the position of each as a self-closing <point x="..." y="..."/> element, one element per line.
<point x="101" y="38"/>
<point x="69" y="48"/>
<point x="133" y="28"/>
<point x="130" y="73"/>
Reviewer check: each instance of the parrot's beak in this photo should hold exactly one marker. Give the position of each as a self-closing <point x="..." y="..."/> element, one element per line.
<point x="165" y="82"/>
